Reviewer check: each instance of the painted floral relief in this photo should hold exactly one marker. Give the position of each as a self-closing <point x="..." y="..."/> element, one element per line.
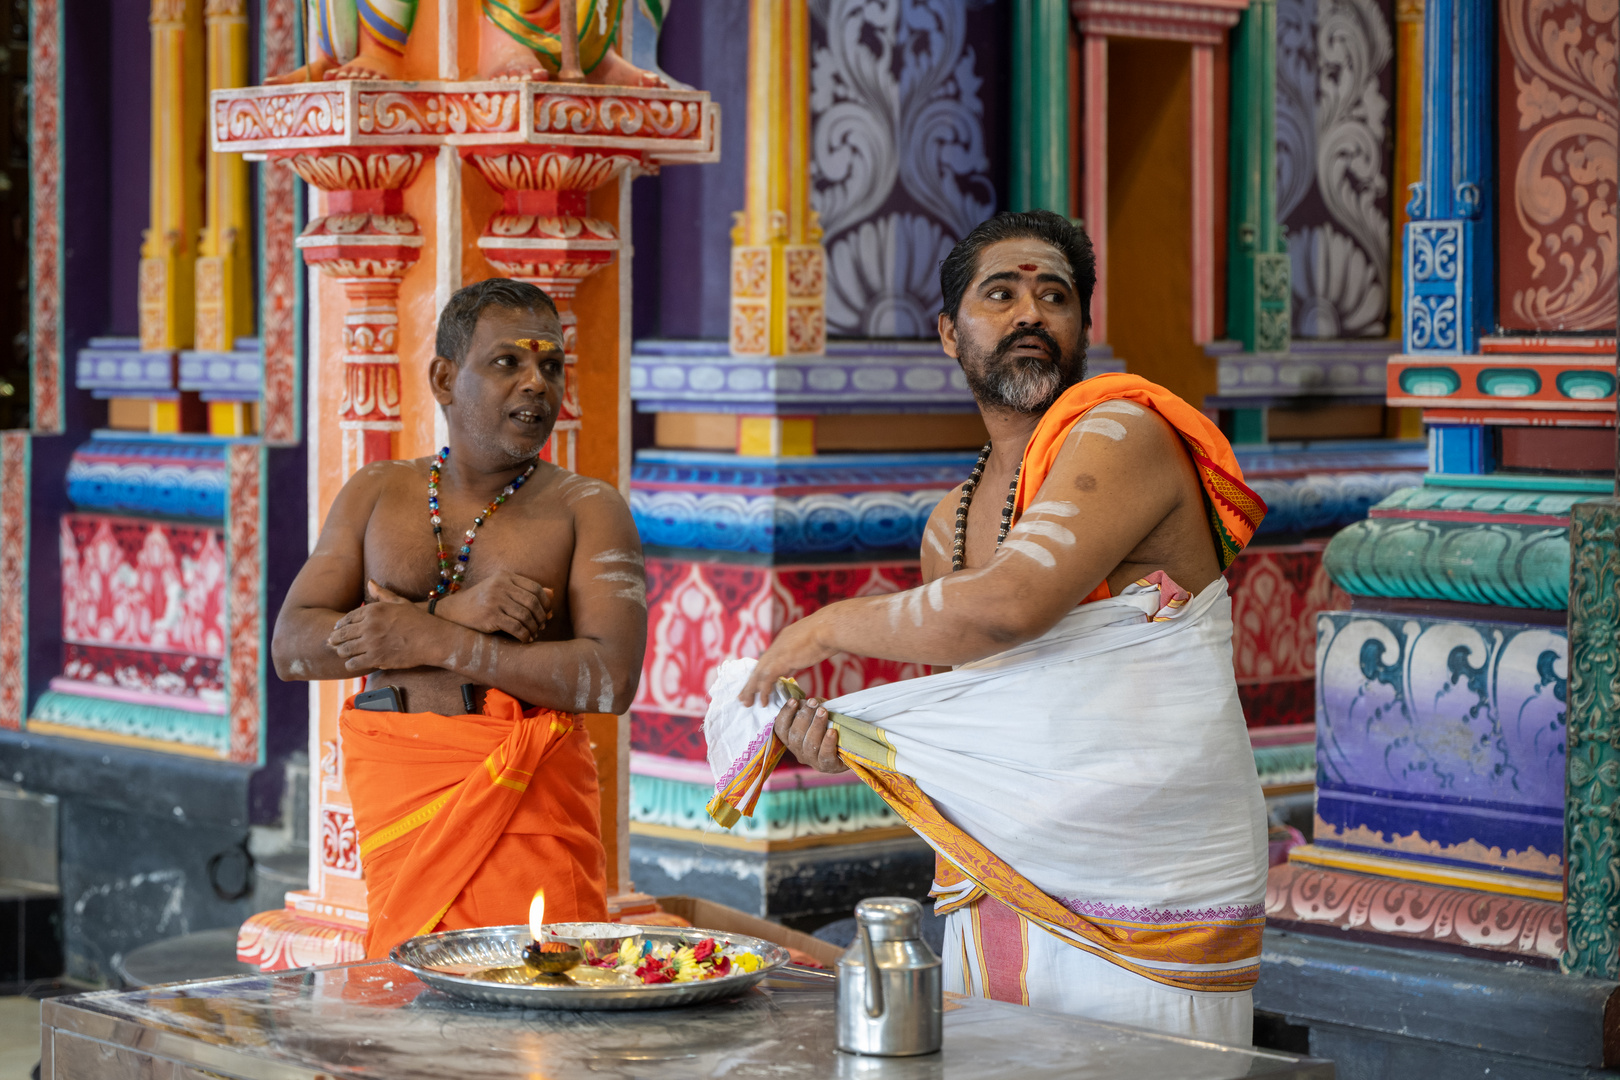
<point x="899" y="161"/>
<point x="1558" y="115"/>
<point x="1335" y="81"/>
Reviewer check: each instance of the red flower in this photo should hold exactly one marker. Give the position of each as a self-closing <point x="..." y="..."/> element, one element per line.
<point x="703" y="950"/>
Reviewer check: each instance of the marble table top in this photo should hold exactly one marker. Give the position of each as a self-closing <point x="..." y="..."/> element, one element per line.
<point x="375" y="1020"/>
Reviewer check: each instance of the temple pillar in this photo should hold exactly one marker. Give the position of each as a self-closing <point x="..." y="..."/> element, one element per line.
<point x="167" y="253"/>
<point x="1449" y="290"/>
<point x="1592" y="744"/>
<point x="1258" y="300"/>
<point x="224" y="302"/>
<point x="1408" y="139"/>
<point x="778" y="265"/>
<point x="1094" y="165"/>
<point x="368" y="242"/>
<point x="543" y="234"/>
<point x="1039" y="171"/>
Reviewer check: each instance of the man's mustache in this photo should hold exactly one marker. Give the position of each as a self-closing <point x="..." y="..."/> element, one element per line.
<point x="1054" y="351"/>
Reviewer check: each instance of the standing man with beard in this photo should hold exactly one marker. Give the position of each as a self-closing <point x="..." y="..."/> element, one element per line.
<point x="487" y="597"/>
<point x="1101" y="848"/>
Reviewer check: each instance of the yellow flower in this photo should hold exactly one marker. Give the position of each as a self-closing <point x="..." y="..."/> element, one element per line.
<point x="745" y="960"/>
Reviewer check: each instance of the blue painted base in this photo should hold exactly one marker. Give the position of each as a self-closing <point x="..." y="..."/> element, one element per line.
<point x="1441" y="742"/>
<point x="790" y="506"/>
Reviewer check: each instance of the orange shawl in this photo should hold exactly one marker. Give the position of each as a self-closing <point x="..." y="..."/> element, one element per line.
<point x="462" y="818"/>
<point x="1234" y="510"/>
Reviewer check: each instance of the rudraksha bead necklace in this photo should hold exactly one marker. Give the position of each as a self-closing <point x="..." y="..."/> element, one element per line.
<point x="450" y="581"/>
<point x="959" y="546"/>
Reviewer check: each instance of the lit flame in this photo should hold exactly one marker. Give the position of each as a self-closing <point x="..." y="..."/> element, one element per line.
<point x="537" y="915"/>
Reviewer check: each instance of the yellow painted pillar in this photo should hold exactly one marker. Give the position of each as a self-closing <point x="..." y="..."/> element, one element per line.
<point x="224" y="299"/>
<point x="169" y="250"/>
<point x="1408" y="136"/>
<point x="778" y="266"/>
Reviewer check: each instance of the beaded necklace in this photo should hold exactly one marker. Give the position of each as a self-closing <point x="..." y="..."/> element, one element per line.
<point x="449" y="581"/>
<point x="959" y="546"/>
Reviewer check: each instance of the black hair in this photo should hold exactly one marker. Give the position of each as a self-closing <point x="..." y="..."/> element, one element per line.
<point x="459" y="319"/>
<point x="956" y="272"/>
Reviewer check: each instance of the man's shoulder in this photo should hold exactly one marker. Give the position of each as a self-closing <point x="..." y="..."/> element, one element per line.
<point x="371" y="480"/>
<point x="586" y="496"/>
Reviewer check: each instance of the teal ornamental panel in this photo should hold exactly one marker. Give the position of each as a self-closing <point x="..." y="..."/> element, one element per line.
<point x="1592" y="800"/>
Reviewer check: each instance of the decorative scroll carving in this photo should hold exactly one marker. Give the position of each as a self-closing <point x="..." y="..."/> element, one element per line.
<point x="1305" y="898"/>
<point x="1592" y="801"/>
<point x="1558" y="114"/>
<point x="898" y="158"/>
<point x="1334" y="80"/>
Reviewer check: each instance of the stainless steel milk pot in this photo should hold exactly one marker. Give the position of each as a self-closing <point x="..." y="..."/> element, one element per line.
<point x="889" y="987"/>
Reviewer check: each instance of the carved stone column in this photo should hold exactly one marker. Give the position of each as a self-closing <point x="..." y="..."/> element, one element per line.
<point x="544" y="234"/>
<point x="1449" y="282"/>
<point x="224" y="301"/>
<point x="778" y="266"/>
<point x="368" y="242"/>
<point x="1259" y="296"/>
<point x="168" y="250"/>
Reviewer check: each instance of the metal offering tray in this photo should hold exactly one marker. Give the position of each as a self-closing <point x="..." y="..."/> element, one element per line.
<point x="446" y="960"/>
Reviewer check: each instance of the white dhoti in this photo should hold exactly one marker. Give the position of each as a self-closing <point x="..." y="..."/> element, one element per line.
<point x="1093" y="797"/>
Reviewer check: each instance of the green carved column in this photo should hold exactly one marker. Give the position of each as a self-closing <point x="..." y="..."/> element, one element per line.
<point x="1257" y="306"/>
<point x="1041" y="97"/>
<point x="1592" y="743"/>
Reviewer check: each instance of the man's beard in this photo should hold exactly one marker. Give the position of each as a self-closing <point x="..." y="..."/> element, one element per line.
<point x="1025" y="384"/>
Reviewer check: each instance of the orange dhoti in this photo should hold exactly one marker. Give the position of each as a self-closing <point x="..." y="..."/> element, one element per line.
<point x="462" y="818"/>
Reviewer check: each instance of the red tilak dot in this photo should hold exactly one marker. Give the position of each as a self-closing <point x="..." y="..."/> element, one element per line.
<point x="1027" y="266"/>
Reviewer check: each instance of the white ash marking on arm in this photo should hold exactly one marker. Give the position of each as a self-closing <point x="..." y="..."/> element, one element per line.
<point x="1058" y="508"/>
<point x="582" y="687"/>
<point x="1030" y="549"/>
<point x="934" y="592"/>
<point x="635" y="586"/>
<point x="1101" y="425"/>
<point x="935" y="544"/>
<point x="619" y="555"/>
<point x="1120" y="406"/>
<point x="1051" y="530"/>
<point x="604" y="700"/>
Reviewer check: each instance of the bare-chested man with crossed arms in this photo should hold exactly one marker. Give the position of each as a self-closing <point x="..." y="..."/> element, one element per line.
<point x="473" y="782"/>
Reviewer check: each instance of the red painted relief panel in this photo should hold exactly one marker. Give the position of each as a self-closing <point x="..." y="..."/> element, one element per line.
<point x="1558" y="109"/>
<point x="701" y="613"/>
<point x="1276" y="595"/>
<point x="143" y="584"/>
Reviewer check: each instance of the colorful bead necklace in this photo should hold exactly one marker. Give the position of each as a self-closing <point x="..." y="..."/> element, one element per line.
<point x="959" y="546"/>
<point x="450" y="581"/>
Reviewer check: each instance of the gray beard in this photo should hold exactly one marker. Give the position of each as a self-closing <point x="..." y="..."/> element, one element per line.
<point x="1023" y="384"/>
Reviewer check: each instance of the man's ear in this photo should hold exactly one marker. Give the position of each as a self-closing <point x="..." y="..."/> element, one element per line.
<point x="441" y="377"/>
<point x="947" y="335"/>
